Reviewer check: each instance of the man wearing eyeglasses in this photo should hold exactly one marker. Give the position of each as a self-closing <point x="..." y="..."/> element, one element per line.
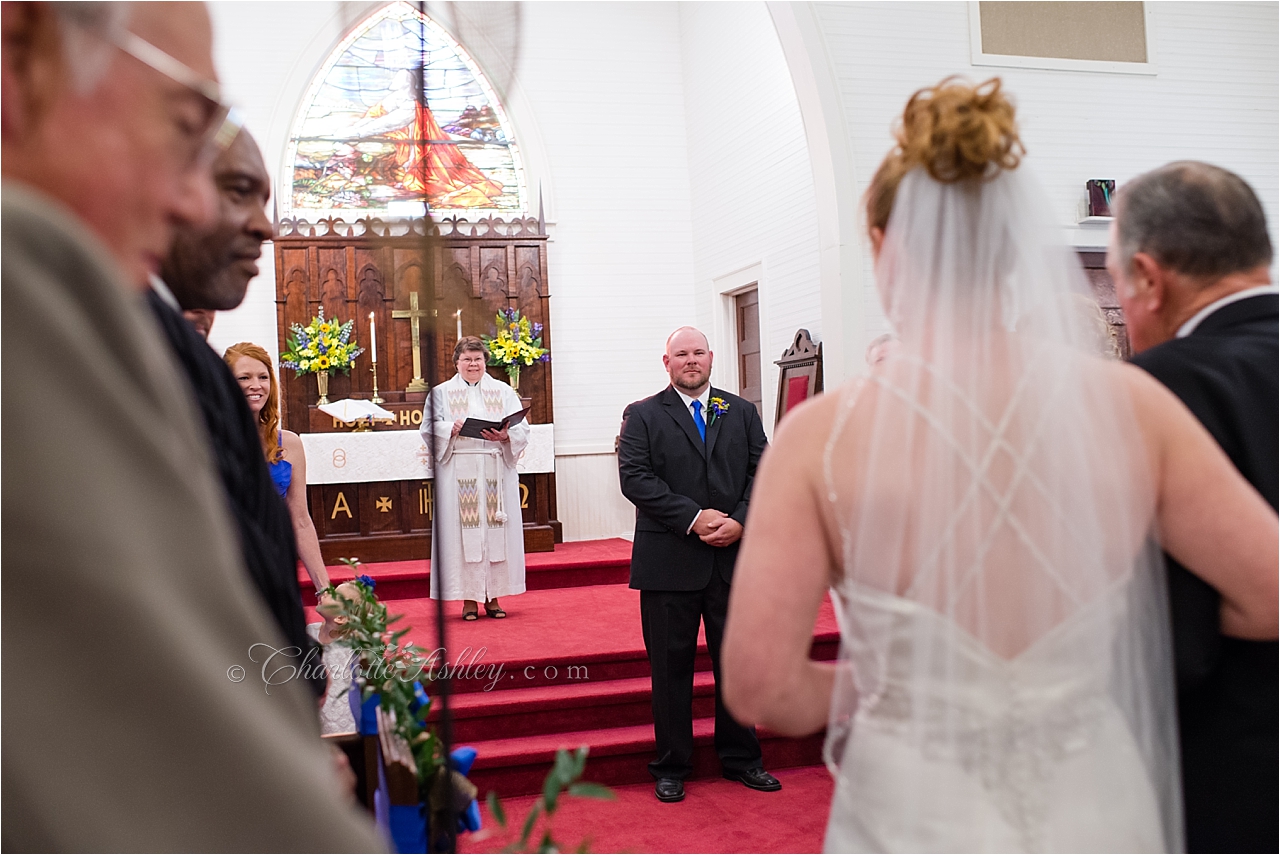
<point x="137" y="718"/>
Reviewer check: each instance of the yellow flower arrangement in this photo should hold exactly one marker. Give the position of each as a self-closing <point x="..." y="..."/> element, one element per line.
<point x="516" y="343"/>
<point x="321" y="346"/>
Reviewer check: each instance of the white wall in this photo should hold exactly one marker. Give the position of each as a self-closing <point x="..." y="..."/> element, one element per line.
<point x="751" y="185"/>
<point x="605" y="83"/>
<point x="1214" y="98"/>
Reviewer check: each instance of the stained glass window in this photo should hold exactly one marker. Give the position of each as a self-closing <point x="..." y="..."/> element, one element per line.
<point x="371" y="141"/>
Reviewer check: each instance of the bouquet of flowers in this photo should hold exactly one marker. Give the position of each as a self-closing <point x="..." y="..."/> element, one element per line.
<point x="321" y="346"/>
<point x="516" y="342"/>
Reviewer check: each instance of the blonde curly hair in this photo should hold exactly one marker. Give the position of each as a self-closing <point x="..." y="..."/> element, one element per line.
<point x="956" y="131"/>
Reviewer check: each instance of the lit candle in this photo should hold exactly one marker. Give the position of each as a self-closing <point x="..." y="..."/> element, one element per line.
<point x="373" y="340"/>
<point x="458" y="315"/>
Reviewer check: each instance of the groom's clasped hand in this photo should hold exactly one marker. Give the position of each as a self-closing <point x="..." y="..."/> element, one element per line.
<point x="717" y="528"/>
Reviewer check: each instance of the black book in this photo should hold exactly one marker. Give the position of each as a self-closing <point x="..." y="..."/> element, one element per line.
<point x="473" y="427"/>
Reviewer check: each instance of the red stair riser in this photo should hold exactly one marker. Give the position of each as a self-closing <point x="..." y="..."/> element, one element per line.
<point x="621" y="769"/>
<point x="567" y="720"/>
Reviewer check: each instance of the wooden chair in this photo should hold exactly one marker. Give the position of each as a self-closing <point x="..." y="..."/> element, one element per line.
<point x="799" y="373"/>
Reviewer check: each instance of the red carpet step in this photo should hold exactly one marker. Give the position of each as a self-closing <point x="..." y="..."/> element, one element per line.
<point x="588" y="562"/>
<point x="567" y="667"/>
<point x="619" y="755"/>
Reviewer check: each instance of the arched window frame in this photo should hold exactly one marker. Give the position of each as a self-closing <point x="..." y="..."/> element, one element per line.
<point x="432" y="31"/>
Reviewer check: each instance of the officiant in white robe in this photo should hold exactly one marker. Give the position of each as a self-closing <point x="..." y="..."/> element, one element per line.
<point x="477" y="551"/>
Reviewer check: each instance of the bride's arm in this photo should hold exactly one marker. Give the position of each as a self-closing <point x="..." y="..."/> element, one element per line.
<point x="782" y="575"/>
<point x="1209" y="518"/>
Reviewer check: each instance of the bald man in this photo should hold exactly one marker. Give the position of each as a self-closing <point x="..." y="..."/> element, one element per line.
<point x="138" y="719"/>
<point x="686" y="460"/>
<point x="210" y="266"/>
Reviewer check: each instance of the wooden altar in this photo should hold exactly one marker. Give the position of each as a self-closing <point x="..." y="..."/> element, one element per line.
<point x="420" y="280"/>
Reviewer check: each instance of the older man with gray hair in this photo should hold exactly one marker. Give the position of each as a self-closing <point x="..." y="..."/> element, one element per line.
<point x="1190" y="256"/>
<point x="137" y="718"/>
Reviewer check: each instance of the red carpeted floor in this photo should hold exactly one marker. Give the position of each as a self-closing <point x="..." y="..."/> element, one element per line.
<point x="567" y="667"/>
<point x="716" y="816"/>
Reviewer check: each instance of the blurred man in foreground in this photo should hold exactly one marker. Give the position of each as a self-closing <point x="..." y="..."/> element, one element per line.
<point x="209" y="268"/>
<point x="138" y="718"/>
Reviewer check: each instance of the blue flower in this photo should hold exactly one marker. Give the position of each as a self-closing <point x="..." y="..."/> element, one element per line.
<point x="420" y="698"/>
<point x="367" y="581"/>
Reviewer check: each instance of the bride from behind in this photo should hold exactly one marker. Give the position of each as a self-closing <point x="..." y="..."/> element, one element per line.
<point x="981" y="505"/>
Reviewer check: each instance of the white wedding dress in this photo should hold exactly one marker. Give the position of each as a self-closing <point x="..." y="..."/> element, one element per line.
<point x="1042" y="760"/>
<point x="1005" y="681"/>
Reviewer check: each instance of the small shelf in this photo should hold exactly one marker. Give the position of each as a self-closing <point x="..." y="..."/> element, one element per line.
<point x="1096" y="221"/>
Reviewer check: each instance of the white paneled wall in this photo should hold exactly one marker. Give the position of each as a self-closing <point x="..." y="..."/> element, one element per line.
<point x="594" y="508"/>
<point x="751" y="184"/>
<point x="605" y="82"/>
<point x="1214" y="97"/>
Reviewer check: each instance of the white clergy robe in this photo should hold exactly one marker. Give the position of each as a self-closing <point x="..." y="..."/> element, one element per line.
<point x="477" y="551"/>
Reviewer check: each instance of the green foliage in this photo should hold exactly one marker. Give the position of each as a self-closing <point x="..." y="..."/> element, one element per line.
<point x="563" y="779"/>
<point x="387" y="667"/>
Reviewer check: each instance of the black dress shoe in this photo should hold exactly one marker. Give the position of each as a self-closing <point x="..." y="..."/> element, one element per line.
<point x="670" y="790"/>
<point x="756" y="779"/>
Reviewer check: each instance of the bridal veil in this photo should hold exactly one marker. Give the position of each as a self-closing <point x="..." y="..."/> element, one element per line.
<point x="1006" y="677"/>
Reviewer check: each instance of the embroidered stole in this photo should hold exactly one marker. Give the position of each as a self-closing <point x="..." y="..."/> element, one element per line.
<point x="479" y="473"/>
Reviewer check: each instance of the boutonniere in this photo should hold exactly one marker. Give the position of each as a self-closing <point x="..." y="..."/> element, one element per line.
<point x="718" y="407"/>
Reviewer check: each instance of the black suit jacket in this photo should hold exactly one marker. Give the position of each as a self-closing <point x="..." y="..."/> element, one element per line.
<point x="262" y="519"/>
<point x="1225" y="371"/>
<point x="670" y="474"/>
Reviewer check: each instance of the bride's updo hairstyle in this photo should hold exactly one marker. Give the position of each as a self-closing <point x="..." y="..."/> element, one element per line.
<point x="957" y="132"/>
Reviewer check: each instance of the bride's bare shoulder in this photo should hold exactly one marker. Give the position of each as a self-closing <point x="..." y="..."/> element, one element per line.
<point x="1159" y="414"/>
<point x="1145" y="390"/>
<point x="802" y="433"/>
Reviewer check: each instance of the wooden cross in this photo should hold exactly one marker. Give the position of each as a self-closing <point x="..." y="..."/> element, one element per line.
<point x="417" y="384"/>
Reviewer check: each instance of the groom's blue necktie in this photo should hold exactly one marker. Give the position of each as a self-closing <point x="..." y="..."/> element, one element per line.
<point x="697" y="420"/>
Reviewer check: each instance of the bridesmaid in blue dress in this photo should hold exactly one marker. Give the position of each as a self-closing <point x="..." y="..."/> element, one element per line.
<point x="286" y="458"/>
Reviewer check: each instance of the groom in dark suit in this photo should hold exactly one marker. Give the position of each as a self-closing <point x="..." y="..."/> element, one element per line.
<point x="686" y="460"/>
<point x="1190" y="256"/>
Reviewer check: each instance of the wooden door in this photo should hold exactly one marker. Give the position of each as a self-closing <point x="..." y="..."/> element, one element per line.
<point x="747" y="313"/>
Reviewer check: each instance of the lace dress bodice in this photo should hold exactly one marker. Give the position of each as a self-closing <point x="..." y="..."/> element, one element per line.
<point x="1012" y="734"/>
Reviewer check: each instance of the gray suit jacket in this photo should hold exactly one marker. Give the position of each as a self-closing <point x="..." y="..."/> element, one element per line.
<point x="125" y="605"/>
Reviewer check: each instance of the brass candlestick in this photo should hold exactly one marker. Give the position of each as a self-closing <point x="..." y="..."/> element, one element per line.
<point x="377" y="399"/>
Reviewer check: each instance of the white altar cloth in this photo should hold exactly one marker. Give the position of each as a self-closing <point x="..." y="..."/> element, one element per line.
<point x="399" y="455"/>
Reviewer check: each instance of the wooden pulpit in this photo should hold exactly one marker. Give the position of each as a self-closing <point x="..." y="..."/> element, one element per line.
<point x="421" y="281"/>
